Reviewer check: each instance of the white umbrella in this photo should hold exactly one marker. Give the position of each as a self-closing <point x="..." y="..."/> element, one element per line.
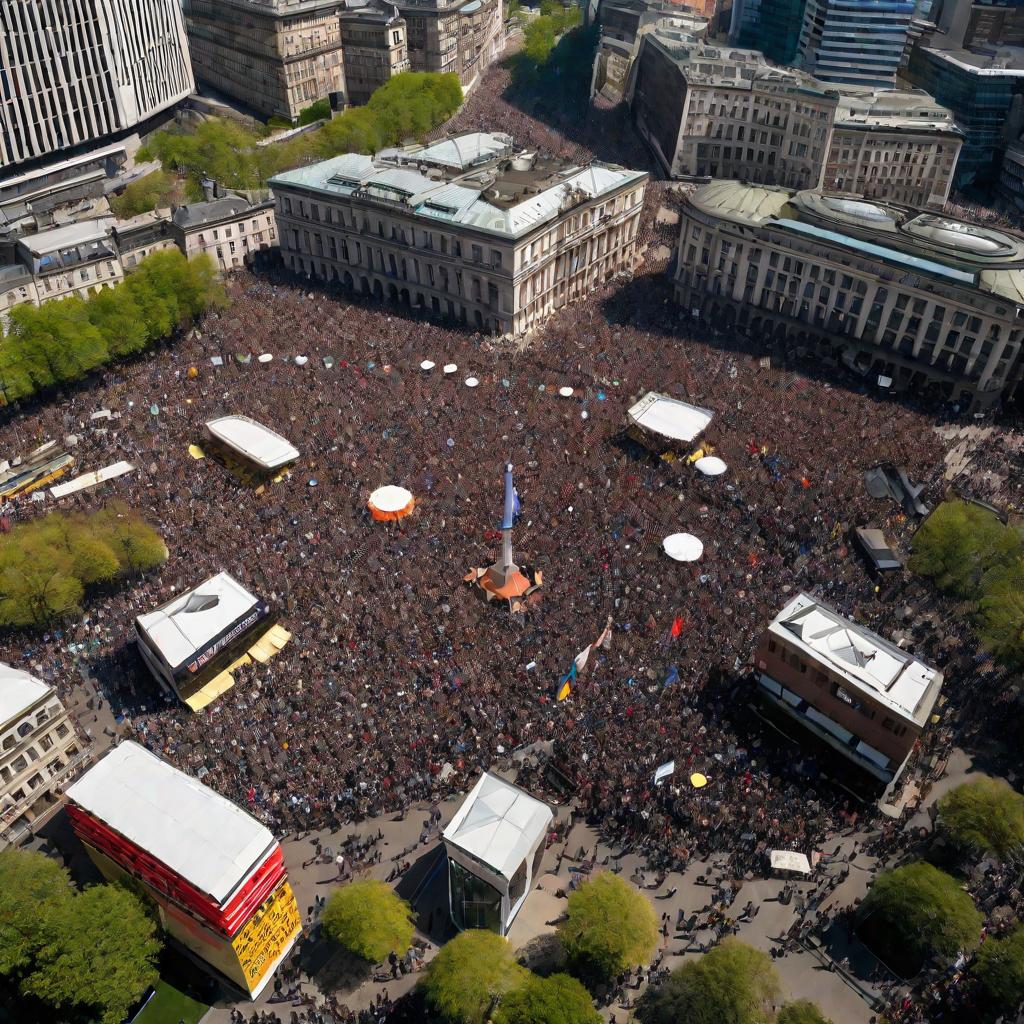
<point x="711" y="465"/>
<point x="266" y="357"/>
<point x="683" y="547"/>
<point x="471" y="382"/>
<point x="450" y="367"/>
<point x="565" y="392"/>
<point x="301" y="360"/>
<point x="427" y="364"/>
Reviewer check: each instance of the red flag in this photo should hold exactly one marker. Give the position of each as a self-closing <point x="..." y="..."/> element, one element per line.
<point x="677" y="626"/>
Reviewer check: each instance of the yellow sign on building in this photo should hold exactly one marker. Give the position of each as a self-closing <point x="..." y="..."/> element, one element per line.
<point x="267" y="935"/>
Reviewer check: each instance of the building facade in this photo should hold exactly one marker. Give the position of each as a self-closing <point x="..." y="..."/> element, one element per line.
<point x="276" y="57"/>
<point x="852" y="689"/>
<point x="463" y="37"/>
<point x="979" y="88"/>
<point x="771" y="26"/>
<point x="40" y="750"/>
<point x="466" y="227"/>
<point x="898" y="145"/>
<point x="375" y="48"/>
<point x="73" y="73"/>
<point x="933" y="303"/>
<point x="714" y="112"/>
<point x="72" y="260"/>
<point x="856" y="42"/>
<point x="230" y="230"/>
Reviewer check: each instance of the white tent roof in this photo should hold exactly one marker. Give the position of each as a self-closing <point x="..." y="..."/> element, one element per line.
<point x="206" y="839"/>
<point x="669" y="417"/>
<point x="190" y="621"/>
<point x="711" y="465"/>
<point x="683" y="547"/>
<point x="254" y="441"/>
<point x="390" y="498"/>
<point x="498" y="824"/>
<point x="18" y="692"/>
<point x="789" y="860"/>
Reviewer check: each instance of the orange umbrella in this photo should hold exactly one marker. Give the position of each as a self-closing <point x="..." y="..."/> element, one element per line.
<point x="390" y="503"/>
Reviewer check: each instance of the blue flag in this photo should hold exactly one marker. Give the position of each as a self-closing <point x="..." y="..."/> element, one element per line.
<point x="672" y="677"/>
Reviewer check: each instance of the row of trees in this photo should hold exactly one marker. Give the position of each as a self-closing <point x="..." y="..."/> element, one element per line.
<point x="609" y="928"/>
<point x="969" y="553"/>
<point x="77" y="956"/>
<point x="47" y="564"/>
<point x="60" y="342"/>
<point x="405" y="107"/>
<point x="542" y="33"/>
<point x="917" y="913"/>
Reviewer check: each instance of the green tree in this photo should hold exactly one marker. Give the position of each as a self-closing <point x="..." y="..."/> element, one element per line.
<point x="557" y="999"/>
<point x="1002" y="612"/>
<point x="999" y="969"/>
<point x="319" y="111"/>
<point x="32" y="888"/>
<point x="369" y="919"/>
<point x="119" y="319"/>
<point x="136" y="544"/>
<point x="609" y="926"/>
<point x="103" y="955"/>
<point x="915" y="912"/>
<point x="149" y="192"/>
<point x="958" y="543"/>
<point x="94" y="950"/>
<point x="984" y="815"/>
<point x="733" y="984"/>
<point x="801" y="1011"/>
<point x="37" y="582"/>
<point x="469" y="975"/>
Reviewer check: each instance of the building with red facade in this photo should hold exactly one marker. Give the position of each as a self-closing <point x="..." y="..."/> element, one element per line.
<point x="216" y="874"/>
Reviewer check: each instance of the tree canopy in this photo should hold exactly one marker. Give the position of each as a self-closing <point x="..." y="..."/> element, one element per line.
<point x="369" y="919"/>
<point x="609" y="927"/>
<point x="406" y="106"/>
<point x="967" y="551"/>
<point x="558" y="999"/>
<point x="801" y="1011"/>
<point x="733" y="984"/>
<point x="153" y="190"/>
<point x="47" y="564"/>
<point x="61" y="341"/>
<point x="999" y="970"/>
<point x="984" y="815"/>
<point x="470" y="975"/>
<point x="917" y="911"/>
<point x="93" y="950"/>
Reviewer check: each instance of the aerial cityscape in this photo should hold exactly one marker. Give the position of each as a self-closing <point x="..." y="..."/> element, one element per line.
<point x="511" y="511"/>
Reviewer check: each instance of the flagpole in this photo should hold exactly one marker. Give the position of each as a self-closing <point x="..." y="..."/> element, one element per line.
<point x="507" y="520"/>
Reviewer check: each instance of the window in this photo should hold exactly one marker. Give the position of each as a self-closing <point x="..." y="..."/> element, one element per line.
<point x="475" y="903"/>
<point x="62" y="730"/>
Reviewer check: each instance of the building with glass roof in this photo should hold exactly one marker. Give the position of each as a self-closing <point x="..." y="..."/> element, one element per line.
<point x="467" y="227"/>
<point x="927" y="302"/>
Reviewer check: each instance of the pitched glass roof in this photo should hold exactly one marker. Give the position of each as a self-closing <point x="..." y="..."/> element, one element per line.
<point x="902" y="259"/>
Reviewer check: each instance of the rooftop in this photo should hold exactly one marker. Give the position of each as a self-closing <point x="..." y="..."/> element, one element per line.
<point x="207" y="840"/>
<point x="187" y="624"/>
<point x="196" y="214"/>
<point x="498" y="824"/>
<point x="69" y="236"/>
<point x="867" y="662"/>
<point x="1005" y="61"/>
<point x="477" y="179"/>
<point x="18" y="692"/>
<point x="975" y="255"/>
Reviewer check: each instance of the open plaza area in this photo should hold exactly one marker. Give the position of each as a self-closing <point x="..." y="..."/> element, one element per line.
<point x="663" y="499"/>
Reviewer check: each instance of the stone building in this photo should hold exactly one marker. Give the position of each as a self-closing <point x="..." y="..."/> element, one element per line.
<point x="72" y="260"/>
<point x="229" y="229"/>
<point x="467" y="227"/>
<point x="40" y="751"/>
<point x="463" y="37"/>
<point x="719" y="112"/>
<point x="74" y="73"/>
<point x="276" y="57"/>
<point x="375" y="48"/>
<point x="924" y="302"/>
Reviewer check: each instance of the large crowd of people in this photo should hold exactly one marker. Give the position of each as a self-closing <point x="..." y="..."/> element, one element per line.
<point x="400" y="684"/>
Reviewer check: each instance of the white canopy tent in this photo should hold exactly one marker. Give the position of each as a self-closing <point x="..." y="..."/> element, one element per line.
<point x="790" y="860"/>
<point x="253" y="441"/>
<point x="494" y="844"/>
<point x="669" y="418"/>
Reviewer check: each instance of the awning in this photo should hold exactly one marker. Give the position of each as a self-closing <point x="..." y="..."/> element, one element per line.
<point x="790" y="860"/>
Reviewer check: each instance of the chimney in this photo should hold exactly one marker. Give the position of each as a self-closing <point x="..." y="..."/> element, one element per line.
<point x="209" y="187"/>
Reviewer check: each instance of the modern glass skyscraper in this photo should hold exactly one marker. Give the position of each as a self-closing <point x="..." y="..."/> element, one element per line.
<point x="771" y="26"/>
<point x="857" y="42"/>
